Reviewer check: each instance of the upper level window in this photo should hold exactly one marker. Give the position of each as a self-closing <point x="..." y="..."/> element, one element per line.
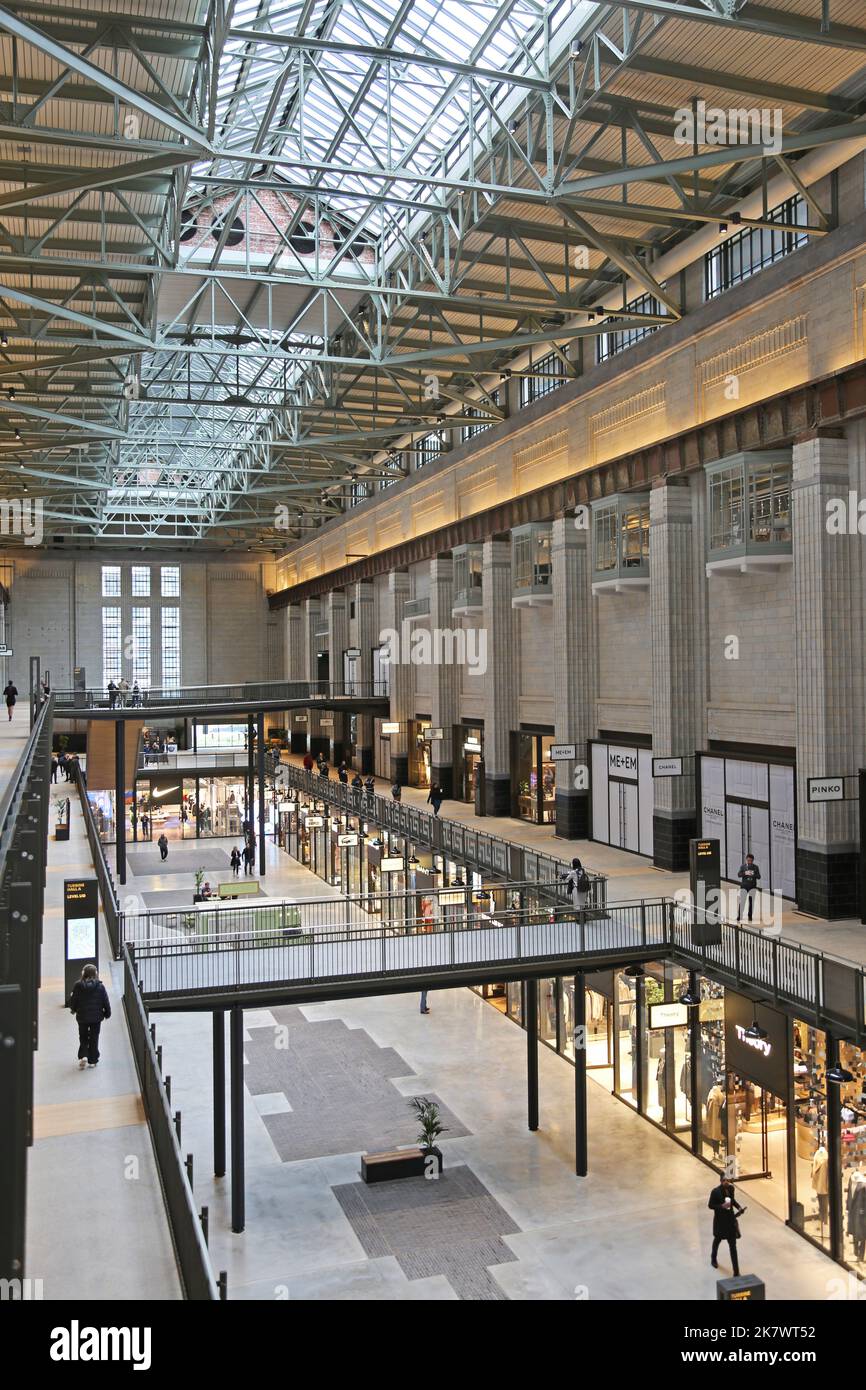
<point x="428" y="449"/>
<point x="755" y="248"/>
<point x="469" y="431"/>
<point x="545" y="376"/>
<point x="170" y="580"/>
<point x="140" y="581"/>
<point x="111" y="581"/>
<point x="609" y="344"/>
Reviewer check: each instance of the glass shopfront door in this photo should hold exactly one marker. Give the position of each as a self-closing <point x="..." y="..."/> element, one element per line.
<point x="747" y="830"/>
<point x="623" y="814"/>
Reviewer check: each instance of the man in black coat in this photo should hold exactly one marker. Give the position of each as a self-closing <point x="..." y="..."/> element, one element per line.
<point x="725" y="1208"/>
<point x="89" y="1003"/>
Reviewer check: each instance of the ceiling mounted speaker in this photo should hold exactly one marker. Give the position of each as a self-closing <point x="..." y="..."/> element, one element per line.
<point x="236" y="231"/>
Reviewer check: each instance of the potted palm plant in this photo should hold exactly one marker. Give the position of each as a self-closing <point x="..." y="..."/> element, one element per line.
<point x="61" y="817"/>
<point x="430" y="1127"/>
<point x="198" y="896"/>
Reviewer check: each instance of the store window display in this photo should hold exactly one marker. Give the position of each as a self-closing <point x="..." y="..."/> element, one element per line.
<point x="626" y="1053"/>
<point x="811" y="1200"/>
<point x="711" y="1068"/>
<point x="852" y="1099"/>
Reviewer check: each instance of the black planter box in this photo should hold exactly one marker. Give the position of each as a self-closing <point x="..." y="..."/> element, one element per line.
<point x="400" y="1163"/>
<point x="61" y="832"/>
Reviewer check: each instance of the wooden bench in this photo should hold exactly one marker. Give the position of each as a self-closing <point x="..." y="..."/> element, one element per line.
<point x="239" y="888"/>
<point x="399" y="1163"/>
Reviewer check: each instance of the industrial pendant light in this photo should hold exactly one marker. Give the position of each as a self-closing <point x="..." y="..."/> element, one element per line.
<point x="755" y="1031"/>
<point x="634" y="972"/>
<point x="691" y="998"/>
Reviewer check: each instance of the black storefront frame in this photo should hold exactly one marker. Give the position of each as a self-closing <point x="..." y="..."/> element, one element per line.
<point x="538" y="733"/>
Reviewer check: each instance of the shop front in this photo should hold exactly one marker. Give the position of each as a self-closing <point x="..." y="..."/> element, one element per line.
<point x="469" y="759"/>
<point x="533" y="777"/>
<point x="622" y="794"/>
<point x="749" y="807"/>
<point x="420" y="751"/>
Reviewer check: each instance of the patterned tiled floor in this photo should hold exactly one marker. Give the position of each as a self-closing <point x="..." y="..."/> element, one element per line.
<point x="450" y="1225"/>
<point x="182" y="859"/>
<point x="337" y="1082"/>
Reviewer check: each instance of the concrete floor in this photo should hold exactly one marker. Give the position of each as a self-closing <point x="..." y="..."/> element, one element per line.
<point x="96" y="1222"/>
<point x="636" y="1228"/>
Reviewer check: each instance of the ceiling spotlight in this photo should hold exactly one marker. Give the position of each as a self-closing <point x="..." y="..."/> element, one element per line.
<point x="736" y="217"/>
<point x="576" y="47"/>
<point x="4" y="340"/>
<point x="723" y="226"/>
<point x="11" y="393"/>
<point x="590" y="313"/>
<point x="18" y="436"/>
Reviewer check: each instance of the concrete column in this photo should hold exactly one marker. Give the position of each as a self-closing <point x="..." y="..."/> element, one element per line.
<point x="827" y="608"/>
<point x="296" y="670"/>
<point x="500" y="621"/>
<point x="401" y="673"/>
<point x="676" y="687"/>
<point x="573" y="672"/>
<point x="445" y="688"/>
<point x="338" y="640"/>
<point x="316" y="742"/>
<point x="367" y="639"/>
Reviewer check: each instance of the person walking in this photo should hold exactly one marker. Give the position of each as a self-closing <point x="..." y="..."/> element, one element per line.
<point x="112" y="694"/>
<point x="235" y="861"/>
<point x="750" y="876"/>
<point x="162" y="842"/>
<point x="46" y="690"/>
<point x="309" y="762"/>
<point x="136" y="695"/>
<point x="424" y="1008"/>
<point x="11" y="695"/>
<point x="249" y="857"/>
<point x="370" y="788"/>
<point x="145" y="824"/>
<point x="343" y="774"/>
<point x="396" y="792"/>
<point x="434" y="798"/>
<point x="54" y="767"/>
<point x="725" y="1208"/>
<point x="324" y="770"/>
<point x="89" y="1003"/>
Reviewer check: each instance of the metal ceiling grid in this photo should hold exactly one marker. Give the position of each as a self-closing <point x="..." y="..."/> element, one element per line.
<point x="410" y="180"/>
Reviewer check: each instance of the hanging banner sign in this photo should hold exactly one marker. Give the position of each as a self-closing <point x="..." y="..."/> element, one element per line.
<point x="667" y="767"/>
<point x="347" y="841"/>
<point x="562" y="752"/>
<point x="390" y="728"/>
<point x="393" y="865"/>
<point x="825" y="789"/>
<point x="315" y="822"/>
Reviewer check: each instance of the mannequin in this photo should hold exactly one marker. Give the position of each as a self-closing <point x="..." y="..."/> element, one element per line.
<point x="713" y="1126"/>
<point x="820" y="1180"/>
<point x="855" y="1202"/>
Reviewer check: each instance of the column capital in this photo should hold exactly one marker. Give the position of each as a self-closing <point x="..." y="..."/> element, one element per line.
<point x="670" y="500"/>
<point x="820" y="459"/>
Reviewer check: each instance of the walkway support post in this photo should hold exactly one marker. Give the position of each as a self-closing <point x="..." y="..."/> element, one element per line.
<point x="120" y="798"/>
<point x="236" y="1052"/>
<point x="219" y="1093"/>
<point x="581" y="1156"/>
<point x="251" y="772"/>
<point x="261" y="771"/>
<point x="531" y="1010"/>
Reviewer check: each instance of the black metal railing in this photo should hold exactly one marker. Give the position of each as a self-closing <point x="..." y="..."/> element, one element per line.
<point x="107" y="889"/>
<point x="486" y="853"/>
<point x="254" y="693"/>
<point x="187" y="1224"/>
<point x="23" y="854"/>
<point x="397" y="911"/>
<point x="271" y="958"/>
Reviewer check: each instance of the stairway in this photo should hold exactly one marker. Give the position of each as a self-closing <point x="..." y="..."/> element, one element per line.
<point x="100" y="753"/>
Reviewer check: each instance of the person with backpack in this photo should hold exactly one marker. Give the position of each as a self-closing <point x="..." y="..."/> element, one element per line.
<point x="162" y="842"/>
<point x="235" y="861"/>
<point x="343" y="774"/>
<point x="11" y="694"/>
<point x="577" y="884"/>
<point x="396" y="792"/>
<point x="89" y="1003"/>
<point x="435" y="797"/>
<point x="309" y="762"/>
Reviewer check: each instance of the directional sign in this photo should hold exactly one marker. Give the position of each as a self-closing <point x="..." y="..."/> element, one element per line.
<point x="825" y="789"/>
<point x="667" y="767"/>
<point x="4" y="650"/>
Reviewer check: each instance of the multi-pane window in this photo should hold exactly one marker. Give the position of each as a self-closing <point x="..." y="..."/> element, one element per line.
<point x="170" y="580"/>
<point x="111" y="644"/>
<point x="545" y="376"/>
<point x="111" y="581"/>
<point x="141" y="581"/>
<point x="170" y="646"/>
<point x="609" y="344"/>
<point x="141" y="646"/>
<point x="357" y="492"/>
<point x="755" y="248"/>
<point x="469" y="431"/>
<point x="428" y="449"/>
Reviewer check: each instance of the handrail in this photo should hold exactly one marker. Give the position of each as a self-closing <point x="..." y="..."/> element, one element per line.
<point x="442" y="835"/>
<point x="15" y="785"/>
<point x="269" y="692"/>
<point x="107" y="890"/>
